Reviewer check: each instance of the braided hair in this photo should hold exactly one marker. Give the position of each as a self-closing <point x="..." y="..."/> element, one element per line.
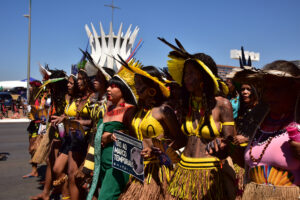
<point x="208" y="98"/>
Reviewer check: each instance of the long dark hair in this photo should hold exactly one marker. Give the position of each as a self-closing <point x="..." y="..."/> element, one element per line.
<point x="101" y="78"/>
<point x="253" y="98"/>
<point x="75" y="87"/>
<point x="208" y="98"/>
<point x="87" y="82"/>
<point x="58" y="90"/>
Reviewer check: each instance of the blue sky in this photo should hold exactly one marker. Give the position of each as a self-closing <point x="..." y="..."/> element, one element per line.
<point x="270" y="27"/>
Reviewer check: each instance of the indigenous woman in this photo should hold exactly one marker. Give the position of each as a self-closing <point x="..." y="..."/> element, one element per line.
<point x="248" y="100"/>
<point x="110" y="180"/>
<point x="274" y="167"/>
<point x="79" y="143"/>
<point x="34" y="125"/>
<point x="233" y="97"/>
<point x="60" y="165"/>
<point x="57" y="84"/>
<point x="207" y="122"/>
<point x="156" y="125"/>
<point x="98" y="107"/>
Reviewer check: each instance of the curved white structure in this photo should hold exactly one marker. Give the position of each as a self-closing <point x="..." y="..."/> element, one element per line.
<point x="105" y="47"/>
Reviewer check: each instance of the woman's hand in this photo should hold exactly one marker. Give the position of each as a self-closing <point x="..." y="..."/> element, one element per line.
<point x="57" y="119"/>
<point x="107" y="138"/>
<point x="295" y="148"/>
<point x="217" y="148"/>
<point x="156" y="151"/>
<point x="146" y="152"/>
<point x="239" y="139"/>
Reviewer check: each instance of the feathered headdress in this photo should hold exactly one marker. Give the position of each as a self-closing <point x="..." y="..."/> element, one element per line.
<point x="44" y="72"/>
<point x="81" y="64"/>
<point x="50" y="81"/>
<point x="243" y="61"/>
<point x="255" y="76"/>
<point x="74" y="70"/>
<point x="92" y="68"/>
<point x="135" y="67"/>
<point x="179" y="56"/>
<point x="126" y="75"/>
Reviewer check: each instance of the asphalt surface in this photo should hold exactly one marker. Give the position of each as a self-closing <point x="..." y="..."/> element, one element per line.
<point x="14" y="140"/>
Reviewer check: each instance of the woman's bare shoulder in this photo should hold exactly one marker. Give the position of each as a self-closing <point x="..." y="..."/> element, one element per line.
<point x="223" y="102"/>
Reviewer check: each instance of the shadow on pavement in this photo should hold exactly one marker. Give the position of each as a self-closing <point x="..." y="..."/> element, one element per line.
<point x="4" y="156"/>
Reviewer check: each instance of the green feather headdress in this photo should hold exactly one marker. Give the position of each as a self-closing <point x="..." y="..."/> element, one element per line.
<point x="49" y="81"/>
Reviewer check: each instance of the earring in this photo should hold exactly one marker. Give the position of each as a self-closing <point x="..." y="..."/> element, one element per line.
<point x="151" y="92"/>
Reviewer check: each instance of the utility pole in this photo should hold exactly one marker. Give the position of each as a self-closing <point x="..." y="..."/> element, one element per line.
<point x="29" y="48"/>
<point x="112" y="10"/>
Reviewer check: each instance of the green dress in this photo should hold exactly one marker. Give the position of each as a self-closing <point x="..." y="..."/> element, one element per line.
<point x="111" y="181"/>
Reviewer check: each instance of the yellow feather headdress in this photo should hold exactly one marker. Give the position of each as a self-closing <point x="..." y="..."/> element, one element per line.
<point x="135" y="68"/>
<point x="178" y="57"/>
<point x="126" y="75"/>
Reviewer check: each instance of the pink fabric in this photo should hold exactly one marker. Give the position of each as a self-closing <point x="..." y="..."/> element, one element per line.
<point x="278" y="154"/>
<point x="36" y="103"/>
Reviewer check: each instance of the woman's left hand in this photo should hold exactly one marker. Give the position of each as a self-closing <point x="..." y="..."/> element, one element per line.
<point x="146" y="152"/>
<point x="295" y="148"/>
<point x="216" y="147"/>
<point x="106" y="138"/>
<point x="239" y="139"/>
<point x="57" y="119"/>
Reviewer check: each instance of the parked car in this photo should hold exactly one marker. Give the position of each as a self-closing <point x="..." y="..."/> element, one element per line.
<point x="6" y="99"/>
<point x="17" y="90"/>
<point x="6" y="103"/>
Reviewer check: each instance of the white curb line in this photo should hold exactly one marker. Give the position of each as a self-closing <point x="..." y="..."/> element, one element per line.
<point x="14" y="120"/>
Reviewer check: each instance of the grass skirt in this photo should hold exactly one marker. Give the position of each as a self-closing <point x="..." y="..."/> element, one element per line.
<point x="154" y="186"/>
<point x="263" y="192"/>
<point x="197" y="178"/>
<point x="43" y="148"/>
<point x="240" y="173"/>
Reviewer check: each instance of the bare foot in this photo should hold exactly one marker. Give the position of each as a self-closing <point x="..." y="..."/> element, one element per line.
<point x="30" y="175"/>
<point x="41" y="196"/>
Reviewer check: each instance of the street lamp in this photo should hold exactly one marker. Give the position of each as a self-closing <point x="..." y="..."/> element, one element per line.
<point x="29" y="47"/>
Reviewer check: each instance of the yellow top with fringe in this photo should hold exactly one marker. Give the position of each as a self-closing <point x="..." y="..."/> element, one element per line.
<point x="208" y="131"/>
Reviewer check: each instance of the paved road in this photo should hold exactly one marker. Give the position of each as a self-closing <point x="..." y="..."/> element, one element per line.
<point x="14" y="140"/>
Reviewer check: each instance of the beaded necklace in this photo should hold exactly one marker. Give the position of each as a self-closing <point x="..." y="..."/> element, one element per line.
<point x="194" y="107"/>
<point x="267" y="141"/>
<point x="267" y="137"/>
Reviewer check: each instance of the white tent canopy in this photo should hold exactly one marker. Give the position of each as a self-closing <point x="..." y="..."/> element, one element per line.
<point x="6" y="85"/>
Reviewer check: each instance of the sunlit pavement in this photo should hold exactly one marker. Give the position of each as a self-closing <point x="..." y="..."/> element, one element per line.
<point x="14" y="141"/>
